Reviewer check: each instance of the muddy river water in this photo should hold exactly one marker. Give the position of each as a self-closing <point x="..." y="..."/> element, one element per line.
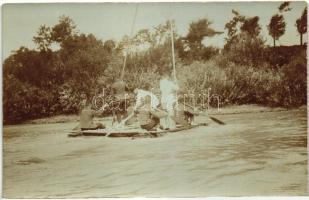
<point x="253" y="154"/>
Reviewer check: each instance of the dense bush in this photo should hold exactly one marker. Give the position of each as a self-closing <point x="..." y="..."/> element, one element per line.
<point x="244" y="49"/>
<point x="294" y="81"/>
<point x="236" y="84"/>
<point x="24" y="101"/>
<point x="282" y="55"/>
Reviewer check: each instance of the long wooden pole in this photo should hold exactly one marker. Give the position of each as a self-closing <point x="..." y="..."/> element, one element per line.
<point x="173" y="51"/>
<point x="131" y="33"/>
<point x="174" y="64"/>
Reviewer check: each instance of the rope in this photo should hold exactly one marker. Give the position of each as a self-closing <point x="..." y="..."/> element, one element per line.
<point x="131" y="33"/>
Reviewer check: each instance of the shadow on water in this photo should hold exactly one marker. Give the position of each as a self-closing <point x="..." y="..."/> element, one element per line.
<point x="30" y="161"/>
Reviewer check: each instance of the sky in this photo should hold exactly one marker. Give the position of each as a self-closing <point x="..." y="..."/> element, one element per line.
<point x="20" y="22"/>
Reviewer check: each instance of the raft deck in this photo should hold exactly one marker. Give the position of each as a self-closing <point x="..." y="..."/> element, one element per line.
<point x="133" y="132"/>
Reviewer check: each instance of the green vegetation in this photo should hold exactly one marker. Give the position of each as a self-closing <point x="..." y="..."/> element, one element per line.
<point x="301" y="25"/>
<point x="276" y="27"/>
<point x="47" y="82"/>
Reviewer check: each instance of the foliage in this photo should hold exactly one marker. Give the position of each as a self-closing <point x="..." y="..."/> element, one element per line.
<point x="56" y="34"/>
<point x="24" y="101"/>
<point x="282" y="55"/>
<point x="198" y="31"/>
<point x="43" y="38"/>
<point x="48" y="81"/>
<point x="276" y="27"/>
<point x="301" y="25"/>
<point x="295" y="81"/>
<point x="284" y="7"/>
<point x="244" y="45"/>
<point x="251" y="26"/>
<point x="232" y="25"/>
<point x="85" y="59"/>
<point x="63" y="30"/>
<point x="241" y="84"/>
<point x="54" y="81"/>
<point x="241" y="24"/>
<point x="246" y="50"/>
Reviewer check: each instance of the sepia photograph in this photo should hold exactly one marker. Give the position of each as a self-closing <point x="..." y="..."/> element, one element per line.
<point x="154" y="99"/>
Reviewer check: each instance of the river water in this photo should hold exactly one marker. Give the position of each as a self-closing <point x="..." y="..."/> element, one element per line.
<point x="253" y="154"/>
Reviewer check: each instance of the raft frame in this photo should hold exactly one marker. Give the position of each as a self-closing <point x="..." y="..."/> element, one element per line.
<point x="137" y="132"/>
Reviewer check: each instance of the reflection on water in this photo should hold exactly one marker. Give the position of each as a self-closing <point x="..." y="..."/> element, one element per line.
<point x="254" y="154"/>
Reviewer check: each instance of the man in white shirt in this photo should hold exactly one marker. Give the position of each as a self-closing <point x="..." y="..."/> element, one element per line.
<point x="168" y="90"/>
<point x="168" y="93"/>
<point x="141" y="94"/>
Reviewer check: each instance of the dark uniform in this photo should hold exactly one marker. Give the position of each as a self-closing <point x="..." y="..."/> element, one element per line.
<point x="86" y="120"/>
<point x="184" y="114"/>
<point x="145" y="118"/>
<point x="120" y="102"/>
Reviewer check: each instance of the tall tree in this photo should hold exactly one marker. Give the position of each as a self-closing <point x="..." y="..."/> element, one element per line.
<point x="198" y="30"/>
<point x="109" y="45"/>
<point x="244" y="44"/>
<point x="241" y="24"/>
<point x="301" y="24"/>
<point x="231" y="26"/>
<point x="43" y="38"/>
<point x="63" y="30"/>
<point x="58" y="33"/>
<point x="251" y="26"/>
<point x="276" y="27"/>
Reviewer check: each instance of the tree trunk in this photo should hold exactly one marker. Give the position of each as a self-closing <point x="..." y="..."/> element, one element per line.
<point x="301" y="39"/>
<point x="274" y="42"/>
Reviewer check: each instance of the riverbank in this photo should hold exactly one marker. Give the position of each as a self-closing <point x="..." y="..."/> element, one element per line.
<point x="237" y="109"/>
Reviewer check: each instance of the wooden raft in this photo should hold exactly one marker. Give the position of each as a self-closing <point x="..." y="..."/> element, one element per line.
<point x="128" y="133"/>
